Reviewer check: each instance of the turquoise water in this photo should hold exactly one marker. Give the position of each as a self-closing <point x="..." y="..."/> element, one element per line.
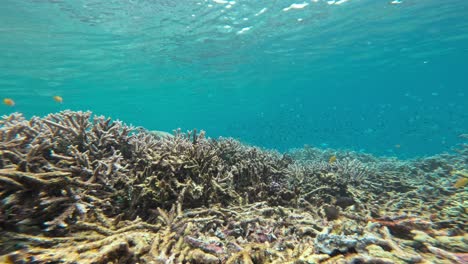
<point x="366" y="75"/>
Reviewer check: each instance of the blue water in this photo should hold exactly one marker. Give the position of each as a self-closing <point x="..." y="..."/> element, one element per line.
<point x="368" y="75"/>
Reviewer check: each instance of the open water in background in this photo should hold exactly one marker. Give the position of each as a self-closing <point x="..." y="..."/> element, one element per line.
<point x="366" y="75"/>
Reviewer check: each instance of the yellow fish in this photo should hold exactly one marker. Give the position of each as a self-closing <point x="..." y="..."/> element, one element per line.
<point x="332" y="159"/>
<point x="9" y="101"/>
<point x="58" y="99"/>
<point x="461" y="182"/>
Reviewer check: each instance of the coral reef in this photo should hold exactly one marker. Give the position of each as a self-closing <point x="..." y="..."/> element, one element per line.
<point x="81" y="189"/>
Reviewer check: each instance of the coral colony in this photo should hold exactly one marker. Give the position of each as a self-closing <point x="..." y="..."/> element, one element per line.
<point x="81" y="189"/>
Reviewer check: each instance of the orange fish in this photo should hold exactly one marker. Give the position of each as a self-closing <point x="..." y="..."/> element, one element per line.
<point x="58" y="99"/>
<point x="9" y="101"/>
<point x="332" y="159"/>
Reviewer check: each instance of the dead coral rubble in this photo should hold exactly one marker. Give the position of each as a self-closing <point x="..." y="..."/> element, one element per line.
<point x="82" y="189"/>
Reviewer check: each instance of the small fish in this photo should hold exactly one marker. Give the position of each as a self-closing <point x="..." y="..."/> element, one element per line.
<point x="161" y="134"/>
<point x="58" y="99"/>
<point x="397" y="146"/>
<point x="9" y="101"/>
<point x="461" y="183"/>
<point x="332" y="159"/>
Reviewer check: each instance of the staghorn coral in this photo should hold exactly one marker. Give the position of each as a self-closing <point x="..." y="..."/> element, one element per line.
<point x="321" y="182"/>
<point x="82" y="189"/>
<point x="116" y="168"/>
<point x="195" y="171"/>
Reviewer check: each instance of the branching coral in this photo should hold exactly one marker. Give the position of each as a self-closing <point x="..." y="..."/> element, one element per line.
<point x="93" y="190"/>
